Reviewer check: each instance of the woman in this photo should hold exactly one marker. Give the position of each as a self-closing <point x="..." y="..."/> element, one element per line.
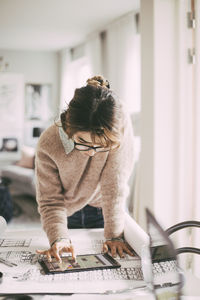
<point x="82" y="169"/>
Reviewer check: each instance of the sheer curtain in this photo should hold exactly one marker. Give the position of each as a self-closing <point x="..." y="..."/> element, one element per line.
<point x="117" y="57"/>
<point x="188" y="135"/>
<point x="65" y="59"/>
<point x="74" y="73"/>
<point x="122" y="66"/>
<point x="121" y="49"/>
<point x="93" y="53"/>
<point x="77" y="65"/>
<point x="197" y="143"/>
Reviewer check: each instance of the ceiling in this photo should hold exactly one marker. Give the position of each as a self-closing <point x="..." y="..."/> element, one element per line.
<point x="56" y="24"/>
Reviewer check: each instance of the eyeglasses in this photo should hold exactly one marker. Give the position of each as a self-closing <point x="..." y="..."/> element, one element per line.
<point x="82" y="147"/>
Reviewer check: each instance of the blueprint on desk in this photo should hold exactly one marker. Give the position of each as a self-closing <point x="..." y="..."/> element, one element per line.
<point x="28" y="276"/>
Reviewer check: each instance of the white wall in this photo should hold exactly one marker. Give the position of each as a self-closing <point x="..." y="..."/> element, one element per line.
<point x="159" y="114"/>
<point x="165" y="110"/>
<point x="11" y="115"/>
<point x="37" y="67"/>
<point x="146" y="172"/>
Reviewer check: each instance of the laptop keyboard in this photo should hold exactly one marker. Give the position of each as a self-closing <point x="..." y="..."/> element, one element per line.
<point x="123" y="274"/>
<point x="165" y="266"/>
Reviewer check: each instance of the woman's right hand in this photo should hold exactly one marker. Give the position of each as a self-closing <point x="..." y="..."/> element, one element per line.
<point x="56" y="250"/>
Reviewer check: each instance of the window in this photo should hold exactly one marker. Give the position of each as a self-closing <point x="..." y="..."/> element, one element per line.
<point x="76" y="75"/>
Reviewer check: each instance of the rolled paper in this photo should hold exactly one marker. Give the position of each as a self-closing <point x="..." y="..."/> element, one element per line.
<point x="3" y="225"/>
<point x="135" y="236"/>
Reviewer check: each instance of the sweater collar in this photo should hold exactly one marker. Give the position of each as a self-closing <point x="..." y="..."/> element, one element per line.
<point x="68" y="144"/>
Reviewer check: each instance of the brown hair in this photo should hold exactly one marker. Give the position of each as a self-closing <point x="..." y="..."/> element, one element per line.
<point x="95" y="109"/>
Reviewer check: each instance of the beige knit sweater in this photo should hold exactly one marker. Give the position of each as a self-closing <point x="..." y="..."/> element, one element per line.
<point x="67" y="180"/>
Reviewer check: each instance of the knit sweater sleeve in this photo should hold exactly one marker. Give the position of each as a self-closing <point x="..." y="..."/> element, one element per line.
<point x="114" y="184"/>
<point x="49" y="193"/>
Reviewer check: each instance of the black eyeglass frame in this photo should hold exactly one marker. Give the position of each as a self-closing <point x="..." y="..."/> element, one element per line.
<point x="89" y="148"/>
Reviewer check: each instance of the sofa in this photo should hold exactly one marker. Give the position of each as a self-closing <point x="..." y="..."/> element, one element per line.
<point x="22" y="180"/>
<point x="21" y="174"/>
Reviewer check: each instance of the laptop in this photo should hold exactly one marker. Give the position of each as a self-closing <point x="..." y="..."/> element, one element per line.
<point x="159" y="275"/>
<point x="159" y="262"/>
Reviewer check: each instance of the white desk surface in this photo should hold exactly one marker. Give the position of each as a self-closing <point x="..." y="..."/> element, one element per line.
<point x="191" y="289"/>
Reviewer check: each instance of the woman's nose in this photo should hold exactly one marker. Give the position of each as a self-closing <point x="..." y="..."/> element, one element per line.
<point x="91" y="152"/>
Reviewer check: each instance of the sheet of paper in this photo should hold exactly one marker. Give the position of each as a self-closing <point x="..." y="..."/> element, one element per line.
<point x="138" y="295"/>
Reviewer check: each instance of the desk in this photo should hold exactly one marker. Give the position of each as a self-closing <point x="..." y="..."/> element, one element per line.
<point x="26" y="280"/>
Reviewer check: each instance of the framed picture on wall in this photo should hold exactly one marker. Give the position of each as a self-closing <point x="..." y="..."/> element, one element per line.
<point x="11" y="103"/>
<point x="38" y="102"/>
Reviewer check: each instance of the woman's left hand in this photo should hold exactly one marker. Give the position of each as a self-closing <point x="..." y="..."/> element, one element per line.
<point x="117" y="247"/>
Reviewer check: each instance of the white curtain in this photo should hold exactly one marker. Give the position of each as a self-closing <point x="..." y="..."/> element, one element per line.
<point x="74" y="74"/>
<point x="77" y="65"/>
<point x="196" y="237"/>
<point x="122" y="66"/>
<point x="117" y="58"/>
<point x="121" y="49"/>
<point x="93" y="53"/>
<point x="65" y="78"/>
<point x="188" y="134"/>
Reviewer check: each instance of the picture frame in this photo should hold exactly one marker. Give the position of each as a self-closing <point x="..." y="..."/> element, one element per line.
<point x="38" y="101"/>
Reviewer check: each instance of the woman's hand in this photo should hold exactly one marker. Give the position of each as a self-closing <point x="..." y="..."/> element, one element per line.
<point x="57" y="248"/>
<point x="117" y="246"/>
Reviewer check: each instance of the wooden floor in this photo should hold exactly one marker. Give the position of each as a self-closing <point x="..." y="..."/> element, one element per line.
<point x="25" y="213"/>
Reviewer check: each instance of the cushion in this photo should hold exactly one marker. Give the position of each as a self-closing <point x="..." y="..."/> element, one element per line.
<point x="27" y="158"/>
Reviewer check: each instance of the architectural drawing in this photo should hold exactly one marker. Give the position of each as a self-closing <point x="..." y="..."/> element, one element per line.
<point x="28" y="274"/>
<point x="14" y="243"/>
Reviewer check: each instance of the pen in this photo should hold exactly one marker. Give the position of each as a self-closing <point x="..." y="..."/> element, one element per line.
<point x="7" y="262"/>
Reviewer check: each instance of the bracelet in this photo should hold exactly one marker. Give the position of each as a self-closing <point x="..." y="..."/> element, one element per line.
<point x="115" y="239"/>
<point x="60" y="240"/>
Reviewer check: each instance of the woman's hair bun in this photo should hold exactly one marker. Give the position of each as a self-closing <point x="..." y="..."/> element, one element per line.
<point x="98" y="81"/>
